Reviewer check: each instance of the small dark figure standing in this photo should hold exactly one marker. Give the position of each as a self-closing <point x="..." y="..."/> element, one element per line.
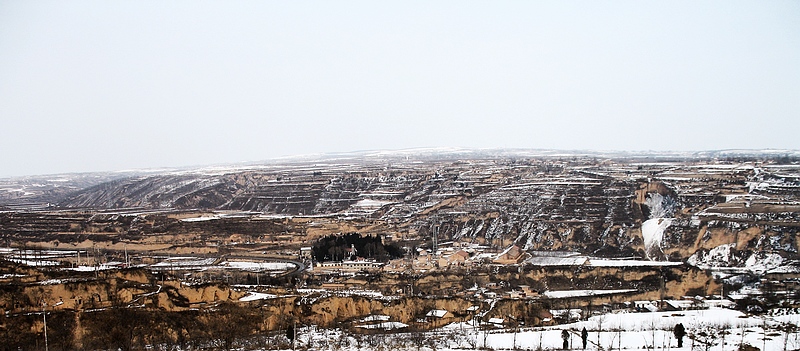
<point x="290" y="334"/>
<point x="584" y="337"/>
<point x="679" y="332"/>
<point x="565" y="337"/>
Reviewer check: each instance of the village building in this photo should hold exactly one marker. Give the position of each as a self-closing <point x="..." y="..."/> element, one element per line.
<point x="305" y="253"/>
<point x="438" y="314"/>
<point x="350" y="266"/>
<point x="512" y="255"/>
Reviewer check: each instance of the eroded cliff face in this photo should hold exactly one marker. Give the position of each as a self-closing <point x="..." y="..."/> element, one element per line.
<point x="332" y="310"/>
<point x="136" y="288"/>
<point x="677" y="281"/>
<point x="115" y="289"/>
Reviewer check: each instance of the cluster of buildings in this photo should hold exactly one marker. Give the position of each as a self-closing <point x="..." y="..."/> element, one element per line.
<point x="447" y="256"/>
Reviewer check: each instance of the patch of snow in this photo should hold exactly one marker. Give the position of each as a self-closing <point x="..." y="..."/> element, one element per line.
<point x="601" y="262"/>
<point x="375" y="318"/>
<point x="9" y="276"/>
<point x="51" y="282"/>
<point x="557" y="261"/>
<point x="371" y="204"/>
<point x="571" y="314"/>
<point x="761" y="262"/>
<point x="785" y="270"/>
<point x="101" y="267"/>
<point x="660" y="206"/>
<point x="34" y="263"/>
<point x="719" y="256"/>
<point x="384" y="326"/>
<point x="652" y="233"/>
<point x="200" y="219"/>
<point x="257" y="266"/>
<point x="558" y="294"/>
<point x="436" y="313"/>
<point x="254" y="296"/>
<point x="184" y="262"/>
<point x="497" y="321"/>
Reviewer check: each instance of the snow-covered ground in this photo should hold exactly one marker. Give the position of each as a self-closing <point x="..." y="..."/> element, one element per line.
<point x="627" y="331"/>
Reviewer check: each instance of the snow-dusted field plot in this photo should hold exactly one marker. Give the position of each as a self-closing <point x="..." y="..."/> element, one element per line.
<point x="80" y="261"/>
<point x="251" y="266"/>
<point x="184" y="263"/>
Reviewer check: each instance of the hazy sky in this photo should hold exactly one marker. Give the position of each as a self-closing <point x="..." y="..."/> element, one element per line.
<point x="109" y="85"/>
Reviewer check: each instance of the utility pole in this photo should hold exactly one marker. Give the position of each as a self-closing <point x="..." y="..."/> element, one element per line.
<point x="662" y="290"/>
<point x="44" y="317"/>
<point x="94" y="256"/>
<point x="435" y="237"/>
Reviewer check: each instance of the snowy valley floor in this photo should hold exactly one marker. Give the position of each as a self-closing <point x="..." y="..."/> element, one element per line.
<point x="713" y="329"/>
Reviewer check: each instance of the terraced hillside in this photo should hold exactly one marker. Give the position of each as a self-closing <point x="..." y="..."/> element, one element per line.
<point x="593" y="204"/>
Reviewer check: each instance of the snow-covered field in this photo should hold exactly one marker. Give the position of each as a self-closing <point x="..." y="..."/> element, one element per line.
<point x="52" y="258"/>
<point x="183" y="262"/>
<point x="257" y="266"/>
<point x="626" y="331"/>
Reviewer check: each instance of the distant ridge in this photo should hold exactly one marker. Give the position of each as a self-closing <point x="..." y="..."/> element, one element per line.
<point x="36" y="192"/>
<point x="421" y="153"/>
<point x="449" y="152"/>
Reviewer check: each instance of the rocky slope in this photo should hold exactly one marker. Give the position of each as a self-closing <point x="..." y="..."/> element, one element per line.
<point x="658" y="207"/>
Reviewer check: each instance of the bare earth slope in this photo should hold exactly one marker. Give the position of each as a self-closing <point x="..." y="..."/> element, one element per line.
<point x="590" y="203"/>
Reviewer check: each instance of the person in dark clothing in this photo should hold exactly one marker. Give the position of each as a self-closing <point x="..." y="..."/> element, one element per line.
<point x="584" y="337"/>
<point x="679" y="332"/>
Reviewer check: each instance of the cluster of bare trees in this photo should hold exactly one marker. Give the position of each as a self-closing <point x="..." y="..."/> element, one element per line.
<point x="223" y="327"/>
<point x="229" y="326"/>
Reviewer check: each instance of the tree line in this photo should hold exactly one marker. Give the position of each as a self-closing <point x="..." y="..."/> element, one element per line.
<point x="353" y="245"/>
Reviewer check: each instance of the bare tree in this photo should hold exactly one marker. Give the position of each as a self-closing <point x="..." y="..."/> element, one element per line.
<point x="743" y="326"/>
<point x="539" y="348"/>
<point x="229" y="324"/>
<point x="515" y="326"/>
<point x="706" y="337"/>
<point x="723" y="329"/>
<point x="616" y="336"/>
<point x="599" y="321"/>
<point x="653" y="327"/>
<point x="788" y="330"/>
